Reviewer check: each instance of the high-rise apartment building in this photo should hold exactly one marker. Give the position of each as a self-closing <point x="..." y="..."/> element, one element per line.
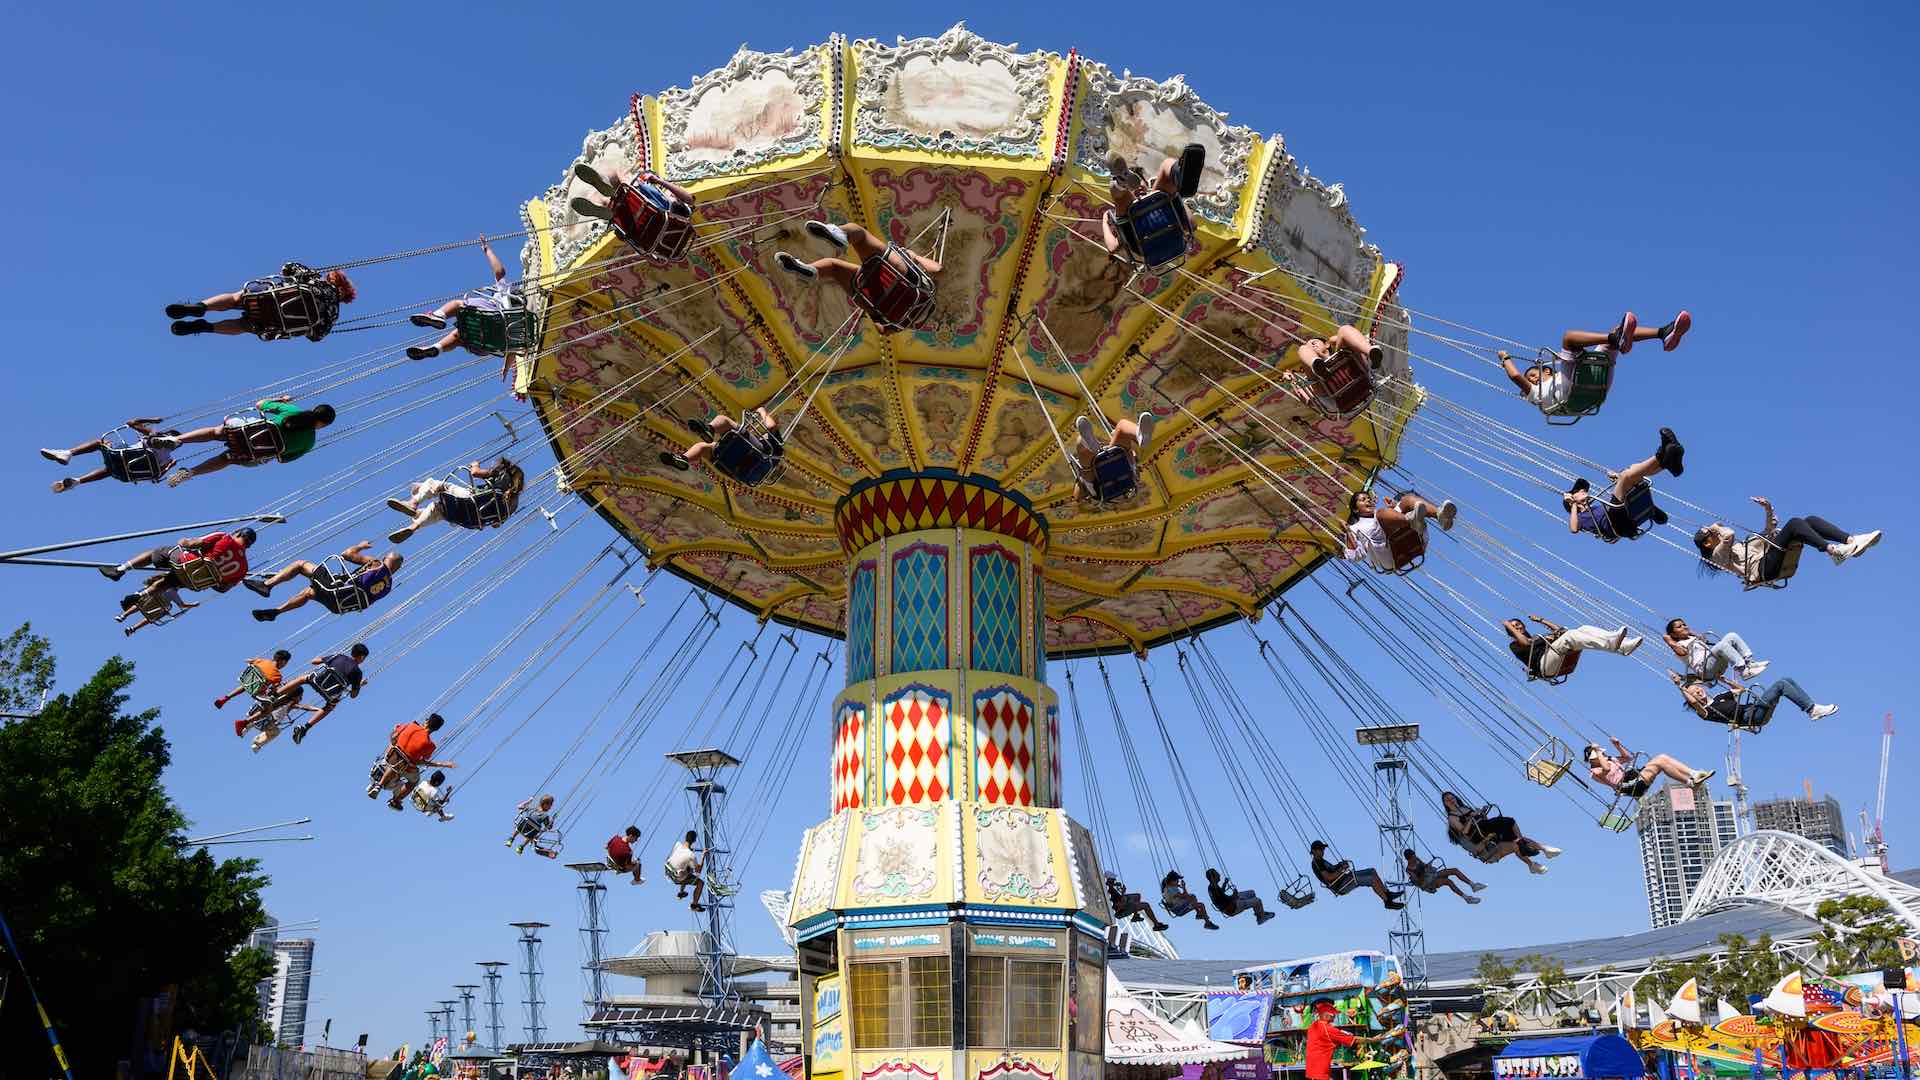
<point x="292" y="982"/>
<point x="1820" y="822"/>
<point x="1681" y="830"/>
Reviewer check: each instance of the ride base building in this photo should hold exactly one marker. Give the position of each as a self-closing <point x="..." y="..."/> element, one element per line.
<point x="951" y="919"/>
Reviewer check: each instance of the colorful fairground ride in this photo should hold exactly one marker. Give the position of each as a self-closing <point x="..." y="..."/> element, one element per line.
<point x="1275" y="1004"/>
<point x="880" y="451"/>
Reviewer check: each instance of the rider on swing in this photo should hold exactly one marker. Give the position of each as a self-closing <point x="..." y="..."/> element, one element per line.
<point x="532" y="822"/>
<point x="609" y="186"/>
<point x="157" y="601"/>
<point x="1129" y="905"/>
<point x="1176" y="900"/>
<point x="1345" y="339"/>
<point x="227" y="551"/>
<point x="426" y="502"/>
<point x="409" y="747"/>
<point x="296" y="427"/>
<point x="372" y="582"/>
<point x="1553" y="655"/>
<point x="712" y="431"/>
<point x="864" y="245"/>
<point x="430" y="796"/>
<point x="684" y="869"/>
<point x="1341" y="878"/>
<point x="1129" y="435"/>
<point x="155" y="445"/>
<point x="1428" y="878"/>
<point x="1366" y="538"/>
<point x="328" y="291"/>
<point x="1616" y="519"/>
<point x="620" y="854"/>
<point x="340" y="668"/>
<point x="1230" y="901"/>
<point x="501" y="298"/>
<point x="1550" y="389"/>
<point x="1611" y="772"/>
<point x="1128" y="184"/>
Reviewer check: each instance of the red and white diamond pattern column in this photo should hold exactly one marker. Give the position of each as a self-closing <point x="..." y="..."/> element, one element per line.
<point x="1004" y="752"/>
<point x="849" y="766"/>
<point x="915" y="737"/>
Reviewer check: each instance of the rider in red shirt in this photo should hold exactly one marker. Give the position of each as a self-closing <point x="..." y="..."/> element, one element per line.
<point x="1323" y="1036"/>
<point x="226" y="551"/>
<point x="620" y="853"/>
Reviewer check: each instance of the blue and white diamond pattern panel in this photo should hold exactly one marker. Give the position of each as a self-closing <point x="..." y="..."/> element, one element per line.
<point x="919" y="608"/>
<point x="860" y="616"/>
<point x="994" y="585"/>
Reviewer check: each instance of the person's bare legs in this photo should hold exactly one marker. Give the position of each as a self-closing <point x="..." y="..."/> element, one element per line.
<point x="226" y="301"/>
<point x="230" y="327"/>
<point x="66" y="483"/>
<point x="1668" y="766"/>
<point x="1448" y="882"/>
<point x="720" y="425"/>
<point x="767" y="422"/>
<point x="1631" y="476"/>
<point x="297" y="568"/>
<point x="1351" y="339"/>
<point x="1380" y="889"/>
<point x="298" y="599"/>
<point x="1164" y="179"/>
<point x="699" y="887"/>
<point x="864" y="244"/>
<point x="1413" y="509"/>
<point x="216" y="433"/>
<point x="838" y="271"/>
<point x="1126" y="435"/>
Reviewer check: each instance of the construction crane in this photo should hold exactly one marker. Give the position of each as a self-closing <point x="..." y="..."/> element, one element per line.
<point x="1877" y="839"/>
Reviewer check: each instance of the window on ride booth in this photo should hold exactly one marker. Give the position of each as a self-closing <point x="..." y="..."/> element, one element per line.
<point x="1016" y="980"/>
<point x="903" y="1000"/>
<point x="1089" y="995"/>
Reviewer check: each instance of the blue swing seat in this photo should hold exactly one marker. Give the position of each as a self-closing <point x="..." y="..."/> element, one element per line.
<point x="747" y="456"/>
<point x="1114" y="476"/>
<point x="1157" y="228"/>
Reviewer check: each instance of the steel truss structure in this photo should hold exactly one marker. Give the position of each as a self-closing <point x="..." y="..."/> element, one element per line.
<point x="1794" y="873"/>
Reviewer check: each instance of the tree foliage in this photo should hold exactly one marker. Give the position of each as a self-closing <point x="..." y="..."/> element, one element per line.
<point x="107" y="902"/>
<point x="1860" y="934"/>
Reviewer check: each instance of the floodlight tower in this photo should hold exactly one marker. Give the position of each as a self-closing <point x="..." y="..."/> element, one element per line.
<point x="446" y="1023"/>
<point x="492" y="969"/>
<point x="593" y="933"/>
<point x="530" y="943"/>
<point x="433" y="1018"/>
<point x="708" y="797"/>
<point x="1406" y="940"/>
<point x="466" y="1009"/>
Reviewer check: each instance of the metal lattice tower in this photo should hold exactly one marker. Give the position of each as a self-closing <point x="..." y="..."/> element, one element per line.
<point x="492" y="968"/>
<point x="433" y="1018"/>
<point x="530" y="942"/>
<point x="1406" y="939"/>
<point x="466" y="1009"/>
<point x="708" y="797"/>
<point x="446" y="1023"/>
<point x="593" y="933"/>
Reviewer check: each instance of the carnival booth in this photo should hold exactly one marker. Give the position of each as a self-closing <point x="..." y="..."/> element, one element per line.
<point x="1141" y="1045"/>
<point x="1587" y="1057"/>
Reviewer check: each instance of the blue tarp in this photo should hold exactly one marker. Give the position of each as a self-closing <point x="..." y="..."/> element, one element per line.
<point x="1602" y="1057"/>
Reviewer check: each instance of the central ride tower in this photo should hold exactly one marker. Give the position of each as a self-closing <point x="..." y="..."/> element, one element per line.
<point x="951" y="918"/>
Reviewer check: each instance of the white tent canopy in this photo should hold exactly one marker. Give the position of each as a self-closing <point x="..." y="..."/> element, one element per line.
<point x="1136" y="1036"/>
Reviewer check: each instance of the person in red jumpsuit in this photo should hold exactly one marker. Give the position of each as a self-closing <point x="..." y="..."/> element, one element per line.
<point x="1323" y="1036"/>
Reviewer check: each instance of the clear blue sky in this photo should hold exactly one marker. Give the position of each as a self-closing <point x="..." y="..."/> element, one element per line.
<point x="1534" y="169"/>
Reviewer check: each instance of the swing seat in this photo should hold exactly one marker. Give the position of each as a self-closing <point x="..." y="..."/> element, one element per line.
<point x="1550" y="763"/>
<point x="1115" y="475"/>
<point x="1566" y="669"/>
<point x="747" y="456"/>
<point x="329" y="684"/>
<point x="893" y="290"/>
<point x="154" y="607"/>
<point x="192" y="572"/>
<point x="1639" y="508"/>
<point x="388" y="768"/>
<point x="1343" y="385"/>
<point x="1119" y="942"/>
<point x="494" y="331"/>
<point x="254" y="441"/>
<point x="340" y="595"/>
<point x="1617" y="820"/>
<point x="129" y="462"/>
<point x="491" y="503"/>
<point x="1590" y="375"/>
<point x="1789" y="564"/>
<point x="255" y="684"/>
<point x="1158" y="230"/>
<point x="276" y="309"/>
<point x="1407" y="546"/>
<point x="658" y="225"/>
<point x="1298" y="893"/>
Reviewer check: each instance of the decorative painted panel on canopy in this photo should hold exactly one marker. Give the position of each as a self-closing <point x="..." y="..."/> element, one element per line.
<point x="1012" y="147"/>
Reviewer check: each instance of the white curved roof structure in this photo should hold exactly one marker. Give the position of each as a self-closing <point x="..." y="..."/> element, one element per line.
<point x="1794" y="873"/>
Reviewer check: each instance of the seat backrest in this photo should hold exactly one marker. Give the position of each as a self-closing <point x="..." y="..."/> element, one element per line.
<point x="744" y="456"/>
<point x="652" y="220"/>
<point x="1160" y="228"/>
<point x="256" y="440"/>
<point x="195" y="573"/>
<point x="1115" y="474"/>
<point x="1343" y="382"/>
<point x="893" y="290"/>
<point x="1406" y="544"/>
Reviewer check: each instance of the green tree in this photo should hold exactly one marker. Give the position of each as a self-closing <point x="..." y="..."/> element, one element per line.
<point x="107" y="902"/>
<point x="1860" y="934"/>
